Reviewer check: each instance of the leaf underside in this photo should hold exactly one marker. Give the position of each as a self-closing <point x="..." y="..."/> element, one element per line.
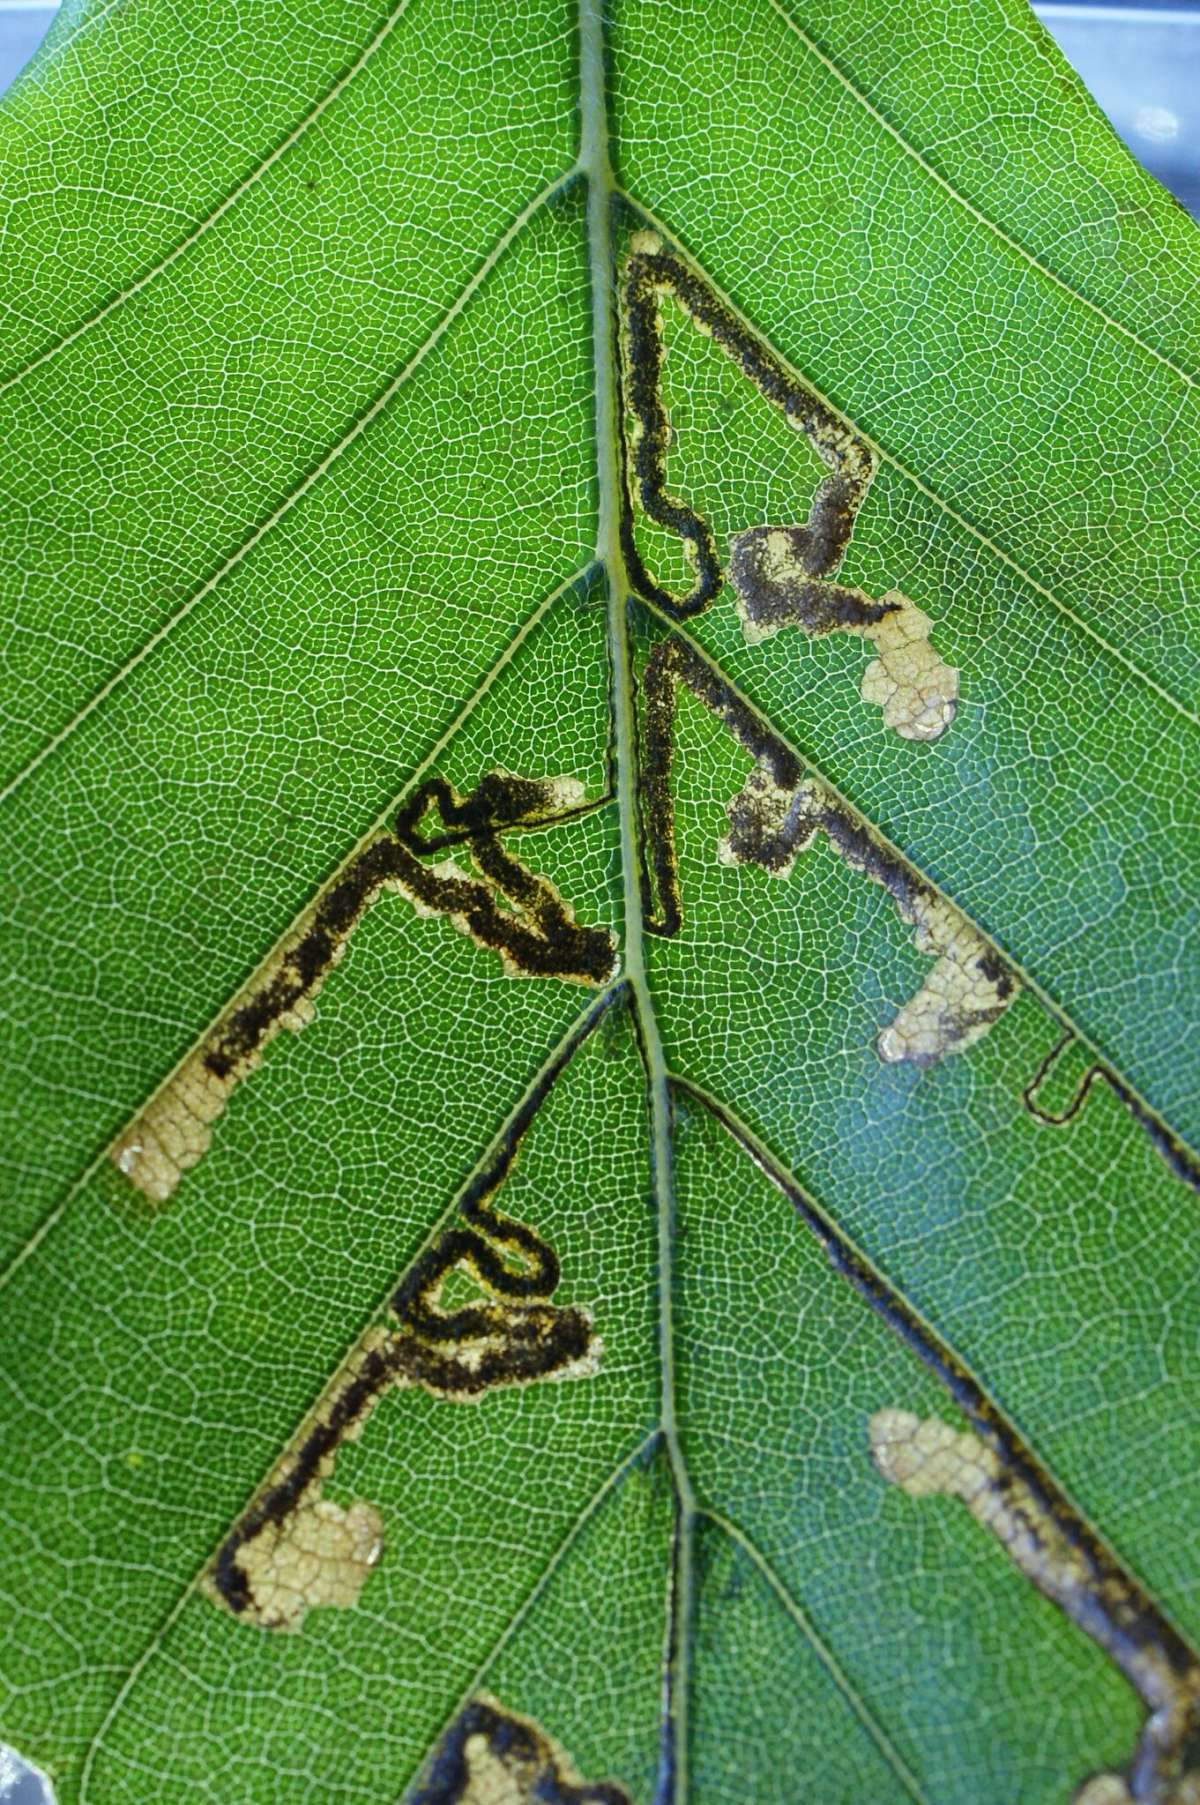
<point x="481" y="1286"/>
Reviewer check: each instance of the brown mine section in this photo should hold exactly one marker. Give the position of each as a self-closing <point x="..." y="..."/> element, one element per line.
<point x="863" y="852"/>
<point x="1179" y="1158"/>
<point x="554" y="946"/>
<point x="651" y="272"/>
<point x="673" y="662"/>
<point x="646" y="472"/>
<point x="506" y="909"/>
<point x="809" y="601"/>
<point x="781" y="575"/>
<point x="303" y="967"/>
<point x="515" y="1336"/>
<point x="490" y="1756"/>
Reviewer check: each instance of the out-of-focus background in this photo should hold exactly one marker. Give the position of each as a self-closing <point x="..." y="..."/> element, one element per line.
<point x="1141" y="62"/>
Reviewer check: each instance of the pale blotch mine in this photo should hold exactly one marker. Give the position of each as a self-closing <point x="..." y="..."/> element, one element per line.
<point x="968" y="988"/>
<point x="925" y="1457"/>
<point x="917" y="690"/>
<point x="1111" y="1789"/>
<point x="174" y="1131"/>
<point x="961" y="997"/>
<point x="509" y="1760"/>
<point x="320" y="1555"/>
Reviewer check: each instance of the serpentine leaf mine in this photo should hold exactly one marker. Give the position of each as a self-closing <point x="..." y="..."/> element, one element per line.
<point x="293" y="1549"/>
<point x="928" y="1457"/>
<point x="775" y="816"/>
<point x="781" y="575"/>
<point x="1180" y="1159"/>
<point x="505" y="908"/>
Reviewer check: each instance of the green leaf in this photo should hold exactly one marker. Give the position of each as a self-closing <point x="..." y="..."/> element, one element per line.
<point x="701" y="1306"/>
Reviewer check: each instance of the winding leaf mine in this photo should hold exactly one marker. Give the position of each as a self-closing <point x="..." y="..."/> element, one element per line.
<point x="924" y="1458"/>
<point x="292" y="1549"/>
<point x="777" y="813"/>
<point x="505" y="908"/>
<point x="782" y="575"/>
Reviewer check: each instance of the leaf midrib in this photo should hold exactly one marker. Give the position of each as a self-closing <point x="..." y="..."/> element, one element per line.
<point x="596" y="166"/>
<point x="364" y="419"/>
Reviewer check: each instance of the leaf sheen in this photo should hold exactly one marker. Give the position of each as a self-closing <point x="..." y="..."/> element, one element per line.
<point x="313" y="446"/>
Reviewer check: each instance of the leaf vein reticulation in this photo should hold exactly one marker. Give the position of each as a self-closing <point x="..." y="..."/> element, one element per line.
<point x="952" y="513"/>
<point x="945" y="1364"/>
<point x="198" y="231"/>
<point x="85" y="25"/>
<point x="634" y="989"/>
<point x="82" y="1179"/>
<point x="823" y="1653"/>
<point x="562" y="1049"/>
<point x="1013" y="244"/>
<point x="1031" y="982"/>
<point x="284" y="507"/>
<point x="604" y="1490"/>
